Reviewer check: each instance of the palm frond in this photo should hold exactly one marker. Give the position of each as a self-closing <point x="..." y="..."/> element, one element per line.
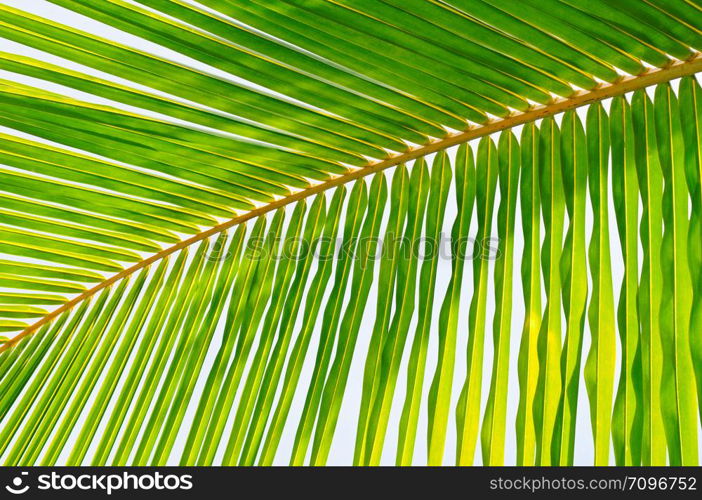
<point x="175" y="177"/>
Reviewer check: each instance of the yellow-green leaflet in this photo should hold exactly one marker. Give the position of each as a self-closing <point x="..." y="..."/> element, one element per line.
<point x="528" y="363"/>
<point x="398" y="328"/>
<point x="468" y="409"/>
<point x="313" y="304"/>
<point x="549" y="387"/>
<point x="494" y="419"/>
<point x="440" y="391"/>
<point x="355" y="209"/>
<point x="364" y="263"/>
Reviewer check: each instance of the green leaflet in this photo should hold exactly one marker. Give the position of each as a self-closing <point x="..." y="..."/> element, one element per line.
<point x="691" y="122"/>
<point x="501" y="20"/>
<point x="202" y="323"/>
<point x="90" y="358"/>
<point x="15" y="311"/>
<point x="493" y="430"/>
<point x="294" y="249"/>
<point x="573" y="269"/>
<point x="98" y="408"/>
<point x="260" y="256"/>
<point x="626" y="418"/>
<point x="327" y="249"/>
<point x="355" y="209"/>
<point x="644" y="32"/>
<point x="146" y="349"/>
<point x="302" y="61"/>
<point x="14" y="377"/>
<point x="258" y="273"/>
<point x="107" y="56"/>
<point x="98" y="357"/>
<point x="549" y="387"/>
<point x="167" y="340"/>
<point x="186" y="326"/>
<point x="461" y="38"/>
<point x="74" y="231"/>
<point x="416" y="368"/>
<point x="43" y="388"/>
<point x="599" y="366"/>
<point x="364" y="263"/>
<point x="442" y="383"/>
<point x="398" y="329"/>
<point x="678" y="400"/>
<point x="383" y="307"/>
<point x="254" y="294"/>
<point x="468" y="408"/>
<point x="258" y="252"/>
<point x="650" y="180"/>
<point x="138" y="233"/>
<point x="122" y="93"/>
<point x="43" y="159"/>
<point x="528" y="363"/>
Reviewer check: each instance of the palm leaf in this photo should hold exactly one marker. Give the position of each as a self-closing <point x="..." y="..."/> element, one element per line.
<point x="169" y="295"/>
